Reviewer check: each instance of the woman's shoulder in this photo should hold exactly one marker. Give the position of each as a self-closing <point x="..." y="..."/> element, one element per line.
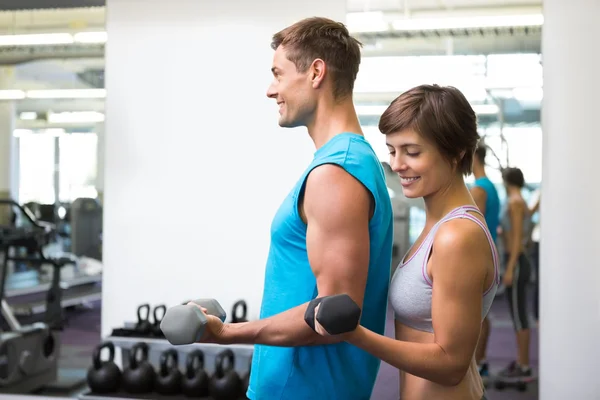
<point x="461" y="243"/>
<point x="461" y="233"/>
<point x="516" y="203"/>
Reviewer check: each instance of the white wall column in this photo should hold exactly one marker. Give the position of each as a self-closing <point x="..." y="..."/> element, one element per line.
<point x="195" y="163"/>
<point x="8" y="158"/>
<point x="570" y="212"/>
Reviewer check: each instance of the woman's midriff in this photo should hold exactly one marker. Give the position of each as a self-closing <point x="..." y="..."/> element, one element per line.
<point x="415" y="388"/>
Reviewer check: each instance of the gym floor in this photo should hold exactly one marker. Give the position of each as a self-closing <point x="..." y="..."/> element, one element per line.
<point x="82" y="335"/>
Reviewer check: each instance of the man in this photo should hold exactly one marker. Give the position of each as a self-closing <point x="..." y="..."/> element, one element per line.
<point x="486" y="197"/>
<point x="332" y="234"/>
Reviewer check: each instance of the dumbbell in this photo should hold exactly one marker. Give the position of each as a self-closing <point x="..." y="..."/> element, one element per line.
<point x="185" y="324"/>
<point x="337" y="314"/>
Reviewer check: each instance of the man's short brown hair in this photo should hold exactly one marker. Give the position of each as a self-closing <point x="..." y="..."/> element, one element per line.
<point x="323" y="38"/>
<point x="441" y="115"/>
<point x="481" y="152"/>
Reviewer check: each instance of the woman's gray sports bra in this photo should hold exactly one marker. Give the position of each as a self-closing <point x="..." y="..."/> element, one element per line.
<point x="411" y="288"/>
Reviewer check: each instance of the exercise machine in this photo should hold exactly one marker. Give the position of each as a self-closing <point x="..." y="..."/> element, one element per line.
<point x="29" y="352"/>
<point x="29" y="292"/>
<point x="86" y="228"/>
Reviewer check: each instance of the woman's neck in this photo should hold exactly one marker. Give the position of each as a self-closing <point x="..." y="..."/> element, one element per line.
<point x="440" y="203"/>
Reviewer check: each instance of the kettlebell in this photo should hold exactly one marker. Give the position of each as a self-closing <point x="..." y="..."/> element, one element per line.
<point x="156" y="331"/>
<point x="140" y="375"/>
<point x="246" y="378"/>
<point x="143" y="325"/>
<point x="225" y="383"/>
<point x="104" y="376"/>
<point x="168" y="378"/>
<point x="235" y="318"/>
<point x="195" y="380"/>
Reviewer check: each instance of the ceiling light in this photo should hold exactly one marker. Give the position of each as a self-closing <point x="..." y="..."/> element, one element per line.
<point x="90" y="37"/>
<point x="468" y="22"/>
<point x="67" y="94"/>
<point x="12" y="94"/>
<point x="75" y="117"/>
<point x="28" y="116"/>
<point x="36" y="39"/>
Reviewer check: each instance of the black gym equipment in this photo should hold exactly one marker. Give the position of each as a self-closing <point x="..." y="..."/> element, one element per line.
<point x="33" y="237"/>
<point x="235" y="318"/>
<point x="225" y="384"/>
<point x="139" y="376"/>
<point x="185" y="324"/>
<point x="195" y="380"/>
<point x="309" y="314"/>
<point x="520" y="383"/>
<point x="157" y="320"/>
<point x="86" y="228"/>
<point x="168" y="377"/>
<point x="104" y="376"/>
<point x="143" y="326"/>
<point x="29" y="353"/>
<point x="246" y="378"/>
<point x="337" y="314"/>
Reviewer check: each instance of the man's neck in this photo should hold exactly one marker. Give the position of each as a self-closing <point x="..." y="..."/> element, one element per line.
<point x="478" y="172"/>
<point x="333" y="119"/>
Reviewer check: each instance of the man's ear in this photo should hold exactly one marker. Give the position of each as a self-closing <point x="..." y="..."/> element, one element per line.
<point x="317" y="69"/>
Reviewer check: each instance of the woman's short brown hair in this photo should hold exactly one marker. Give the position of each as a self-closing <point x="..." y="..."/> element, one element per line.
<point x="513" y="176"/>
<point x="442" y="115"/>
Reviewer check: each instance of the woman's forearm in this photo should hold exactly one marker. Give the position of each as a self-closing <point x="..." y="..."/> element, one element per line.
<point x="425" y="360"/>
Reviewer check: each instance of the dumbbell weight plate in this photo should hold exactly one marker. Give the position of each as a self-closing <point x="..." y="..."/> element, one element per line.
<point x="185" y="324"/>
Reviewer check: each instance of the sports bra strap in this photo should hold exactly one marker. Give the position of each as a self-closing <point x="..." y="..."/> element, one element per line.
<point x="489" y="237"/>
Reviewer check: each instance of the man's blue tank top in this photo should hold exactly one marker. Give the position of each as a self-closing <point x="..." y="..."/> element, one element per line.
<point x="328" y="372"/>
<point x="492" y="205"/>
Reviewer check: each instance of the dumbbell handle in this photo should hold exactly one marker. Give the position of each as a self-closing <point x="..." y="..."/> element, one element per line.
<point x="212" y="307"/>
<point x="185" y="324"/>
<point x="337" y="314"/>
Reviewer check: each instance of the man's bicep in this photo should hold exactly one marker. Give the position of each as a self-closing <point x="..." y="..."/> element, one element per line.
<point x="337" y="208"/>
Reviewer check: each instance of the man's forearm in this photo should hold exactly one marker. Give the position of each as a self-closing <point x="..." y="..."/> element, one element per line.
<point x="286" y="329"/>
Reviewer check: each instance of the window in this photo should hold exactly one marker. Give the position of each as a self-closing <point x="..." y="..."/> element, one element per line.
<point x="36" y="168"/>
<point x="44" y="180"/>
<point x="78" y="163"/>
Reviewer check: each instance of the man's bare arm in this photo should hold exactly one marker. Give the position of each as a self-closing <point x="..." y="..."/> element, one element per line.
<point x="337" y="211"/>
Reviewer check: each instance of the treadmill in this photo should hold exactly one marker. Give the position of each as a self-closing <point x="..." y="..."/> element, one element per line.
<point x="25" y="293"/>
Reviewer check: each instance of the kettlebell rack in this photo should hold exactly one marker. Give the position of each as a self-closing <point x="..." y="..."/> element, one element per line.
<point x="156" y="348"/>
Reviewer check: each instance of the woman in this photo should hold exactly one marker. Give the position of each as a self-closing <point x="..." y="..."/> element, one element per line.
<point x="516" y="227"/>
<point x="443" y="288"/>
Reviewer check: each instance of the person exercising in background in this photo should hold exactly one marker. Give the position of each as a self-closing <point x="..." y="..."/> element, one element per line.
<point x="534" y="250"/>
<point x="486" y="197"/>
<point x="516" y="225"/>
<point x="332" y="233"/>
<point x="446" y="283"/>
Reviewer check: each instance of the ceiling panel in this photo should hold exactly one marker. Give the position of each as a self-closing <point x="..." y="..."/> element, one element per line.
<point x="399" y="5"/>
<point x="39" y="4"/>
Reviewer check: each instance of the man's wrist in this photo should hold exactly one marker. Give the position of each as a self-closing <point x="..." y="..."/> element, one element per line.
<point x="239" y="333"/>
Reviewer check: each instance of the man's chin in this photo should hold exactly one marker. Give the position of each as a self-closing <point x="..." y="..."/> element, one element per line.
<point x="286" y="124"/>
